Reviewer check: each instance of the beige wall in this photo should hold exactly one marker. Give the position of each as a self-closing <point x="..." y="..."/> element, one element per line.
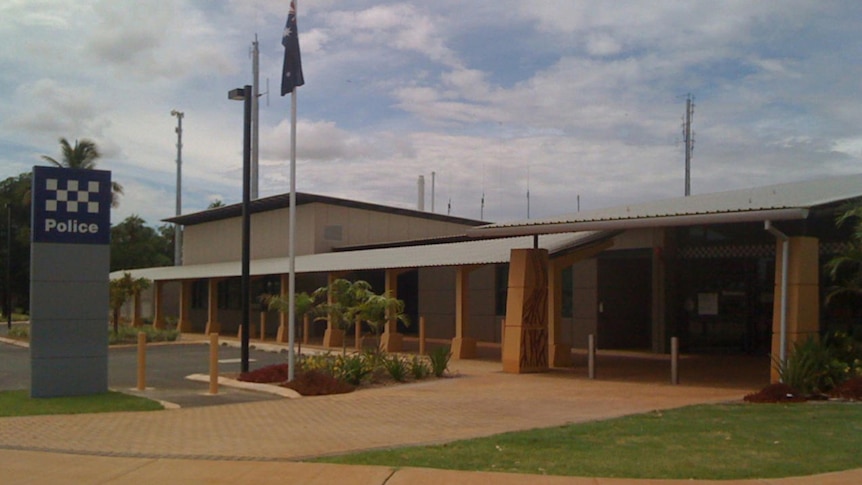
<point x="437" y="301"/>
<point x="585" y="309"/>
<point x="221" y="240"/>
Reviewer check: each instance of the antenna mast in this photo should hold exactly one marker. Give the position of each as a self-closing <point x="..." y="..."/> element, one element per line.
<point x="689" y="141"/>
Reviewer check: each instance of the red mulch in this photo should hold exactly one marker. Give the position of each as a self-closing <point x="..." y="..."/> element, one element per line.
<point x="310" y="383"/>
<point x="775" y="393"/>
<point x="266" y="375"/>
<point x="850" y="389"/>
<point x="316" y="383"/>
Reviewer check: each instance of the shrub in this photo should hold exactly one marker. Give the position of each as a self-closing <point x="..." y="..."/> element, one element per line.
<point x="440" y="360"/>
<point x="19" y="332"/>
<point x="129" y="335"/>
<point x="812" y="367"/>
<point x="318" y="362"/>
<point x="352" y="369"/>
<point x="419" y="368"/>
<point x="396" y="367"/>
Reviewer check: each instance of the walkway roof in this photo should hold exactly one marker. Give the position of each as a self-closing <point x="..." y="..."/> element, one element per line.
<point x="774" y="202"/>
<point x="486" y="251"/>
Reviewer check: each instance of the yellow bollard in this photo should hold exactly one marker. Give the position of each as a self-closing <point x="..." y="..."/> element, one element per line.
<point x="421" y="335"/>
<point x="142" y="361"/>
<point x="213" y="363"/>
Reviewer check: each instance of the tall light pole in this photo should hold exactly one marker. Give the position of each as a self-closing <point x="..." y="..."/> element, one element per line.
<point x="244" y="94"/>
<point x="178" y="231"/>
<point x="8" y="266"/>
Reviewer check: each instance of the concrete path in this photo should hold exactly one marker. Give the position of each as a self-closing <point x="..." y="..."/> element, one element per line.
<point x="258" y="442"/>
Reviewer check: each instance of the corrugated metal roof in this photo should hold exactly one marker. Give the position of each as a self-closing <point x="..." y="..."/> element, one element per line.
<point x="800" y="195"/>
<point x="485" y="251"/>
<point x="282" y="201"/>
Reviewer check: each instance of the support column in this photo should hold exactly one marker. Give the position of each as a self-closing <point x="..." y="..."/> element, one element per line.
<point x="283" y="336"/>
<point x="333" y="337"/>
<point x="803" y="295"/>
<point x="185" y="324"/>
<point x="137" y="321"/>
<point x="391" y="340"/>
<point x="525" y="348"/>
<point x="463" y="346"/>
<point x="213" y="325"/>
<point x="158" y="302"/>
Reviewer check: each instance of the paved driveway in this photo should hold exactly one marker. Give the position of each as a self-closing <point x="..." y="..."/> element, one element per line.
<point x="167" y="367"/>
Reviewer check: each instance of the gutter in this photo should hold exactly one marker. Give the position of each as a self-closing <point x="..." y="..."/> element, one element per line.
<point x="785" y="263"/>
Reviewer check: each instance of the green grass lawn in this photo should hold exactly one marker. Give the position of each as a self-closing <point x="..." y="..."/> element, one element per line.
<point x="19" y="403"/>
<point x="731" y="441"/>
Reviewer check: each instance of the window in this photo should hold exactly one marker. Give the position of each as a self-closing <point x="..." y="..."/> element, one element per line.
<point x="501" y="287"/>
<point x="228" y="294"/>
<point x="199" y="294"/>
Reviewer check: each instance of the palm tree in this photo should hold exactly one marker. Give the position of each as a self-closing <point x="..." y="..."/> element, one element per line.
<point x="845" y="268"/>
<point x="83" y="155"/>
<point x="377" y="310"/>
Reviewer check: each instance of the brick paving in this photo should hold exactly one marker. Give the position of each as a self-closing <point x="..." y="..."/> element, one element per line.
<point x="481" y="401"/>
<point x="259" y="442"/>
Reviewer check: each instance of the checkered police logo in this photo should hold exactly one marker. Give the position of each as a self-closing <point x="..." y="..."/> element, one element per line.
<point x="71" y="206"/>
<point x="72" y="198"/>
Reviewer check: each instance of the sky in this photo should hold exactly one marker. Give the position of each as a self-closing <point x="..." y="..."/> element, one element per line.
<point x="579" y="103"/>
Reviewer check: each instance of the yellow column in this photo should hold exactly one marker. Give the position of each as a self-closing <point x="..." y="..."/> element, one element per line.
<point x="525" y="347"/>
<point x="136" y="311"/>
<point x="283" y="336"/>
<point x="333" y="337"/>
<point x="213" y="325"/>
<point x="803" y="295"/>
<point x="185" y="324"/>
<point x="463" y="346"/>
<point x="158" y="301"/>
<point x="391" y="340"/>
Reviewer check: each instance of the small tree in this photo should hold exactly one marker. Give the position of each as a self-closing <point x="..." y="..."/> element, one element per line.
<point x="341" y="301"/>
<point x="121" y="289"/>
<point x="303" y="304"/>
<point x="376" y="310"/>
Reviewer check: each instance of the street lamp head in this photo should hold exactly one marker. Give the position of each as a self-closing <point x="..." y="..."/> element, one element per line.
<point x="178" y="114"/>
<point x="237" y="94"/>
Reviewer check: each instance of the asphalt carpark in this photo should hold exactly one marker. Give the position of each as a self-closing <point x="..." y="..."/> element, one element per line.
<point x="167" y="366"/>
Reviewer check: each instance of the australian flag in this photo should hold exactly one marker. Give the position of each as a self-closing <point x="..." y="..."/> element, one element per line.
<point x="291" y="73"/>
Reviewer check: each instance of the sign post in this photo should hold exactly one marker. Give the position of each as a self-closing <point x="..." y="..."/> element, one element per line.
<point x="69" y="282"/>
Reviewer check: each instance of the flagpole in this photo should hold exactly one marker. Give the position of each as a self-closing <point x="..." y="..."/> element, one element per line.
<point x="291" y="238"/>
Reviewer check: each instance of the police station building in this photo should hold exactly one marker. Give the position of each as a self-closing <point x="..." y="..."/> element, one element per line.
<point x="708" y="269"/>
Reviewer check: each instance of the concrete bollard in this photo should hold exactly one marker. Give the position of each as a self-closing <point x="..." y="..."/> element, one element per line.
<point x="142" y="361"/>
<point x="421" y="335"/>
<point x="213" y="363"/>
<point x="591" y="356"/>
<point x="674" y="360"/>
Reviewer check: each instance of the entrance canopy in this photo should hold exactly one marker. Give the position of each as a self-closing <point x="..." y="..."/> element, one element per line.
<point x="486" y="251"/>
